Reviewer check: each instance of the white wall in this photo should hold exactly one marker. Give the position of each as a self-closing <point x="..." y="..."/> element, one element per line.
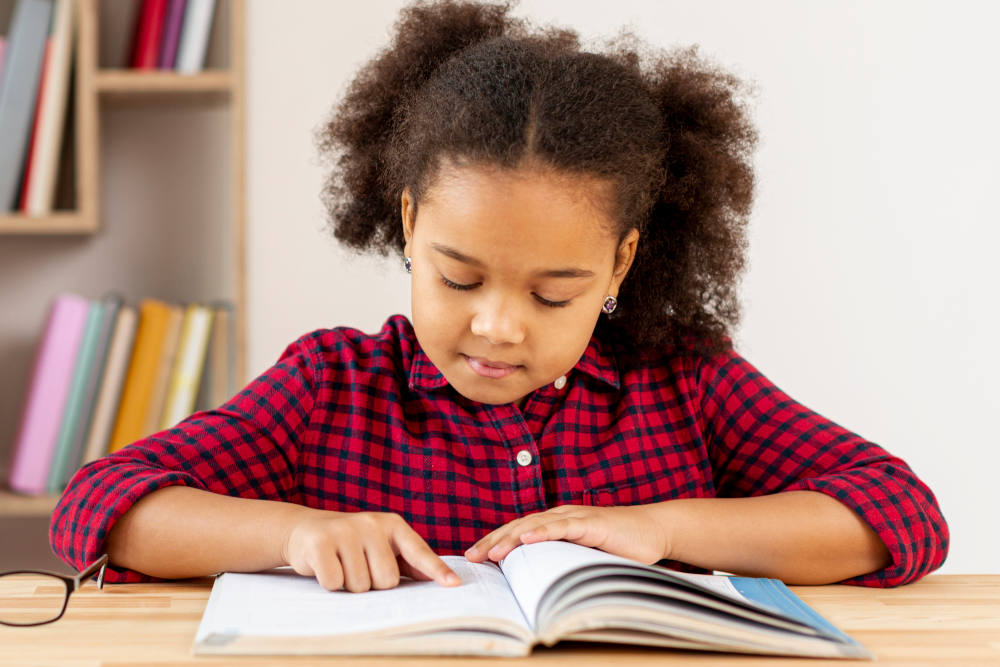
<point x="870" y="295"/>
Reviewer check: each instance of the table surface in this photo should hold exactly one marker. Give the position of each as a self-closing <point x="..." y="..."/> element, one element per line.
<point x="941" y="619"/>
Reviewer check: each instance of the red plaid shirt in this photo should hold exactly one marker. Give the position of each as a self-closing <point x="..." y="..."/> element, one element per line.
<point x="347" y="421"/>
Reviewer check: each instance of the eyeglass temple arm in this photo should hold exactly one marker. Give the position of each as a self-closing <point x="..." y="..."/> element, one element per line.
<point x="98" y="564"/>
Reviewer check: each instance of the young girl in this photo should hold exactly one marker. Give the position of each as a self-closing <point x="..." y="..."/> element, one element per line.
<point x="573" y="224"/>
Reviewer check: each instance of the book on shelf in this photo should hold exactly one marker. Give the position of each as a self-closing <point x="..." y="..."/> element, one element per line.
<point x="195" y="34"/>
<point x="149" y="34"/>
<point x="164" y="367"/>
<point x="171" y="34"/>
<point x="105" y="408"/>
<point x="540" y="594"/>
<point x="41" y="170"/>
<point x="19" y="86"/>
<point x="73" y="417"/>
<point x="45" y="401"/>
<point x="185" y="375"/>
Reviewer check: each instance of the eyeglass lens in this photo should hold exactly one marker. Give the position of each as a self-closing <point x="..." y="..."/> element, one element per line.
<point x="29" y="598"/>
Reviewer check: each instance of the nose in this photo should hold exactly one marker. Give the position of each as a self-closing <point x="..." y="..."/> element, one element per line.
<point x="498" y="321"/>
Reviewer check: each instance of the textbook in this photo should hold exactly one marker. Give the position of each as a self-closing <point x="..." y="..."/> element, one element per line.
<point x="539" y="594"/>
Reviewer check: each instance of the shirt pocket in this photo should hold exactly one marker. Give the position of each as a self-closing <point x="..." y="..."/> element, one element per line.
<point x="635" y="493"/>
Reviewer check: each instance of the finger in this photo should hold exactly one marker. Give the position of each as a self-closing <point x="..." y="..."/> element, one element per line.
<point x="382" y="566"/>
<point x="416" y="552"/>
<point x="356" y="576"/>
<point x="407" y="570"/>
<point x="329" y="572"/>
<point x="478" y="551"/>
<point x="561" y="529"/>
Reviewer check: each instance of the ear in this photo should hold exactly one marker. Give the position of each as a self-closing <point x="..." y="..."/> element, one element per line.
<point x="409" y="211"/>
<point x="623" y="259"/>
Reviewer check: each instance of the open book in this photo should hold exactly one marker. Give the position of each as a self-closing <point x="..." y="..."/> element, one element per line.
<point x="539" y="594"/>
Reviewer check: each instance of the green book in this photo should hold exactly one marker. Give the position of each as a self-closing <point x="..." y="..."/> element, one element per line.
<point x="73" y="416"/>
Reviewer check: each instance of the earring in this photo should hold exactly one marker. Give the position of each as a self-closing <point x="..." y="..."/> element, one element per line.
<point x="408" y="264"/>
<point x="610" y="304"/>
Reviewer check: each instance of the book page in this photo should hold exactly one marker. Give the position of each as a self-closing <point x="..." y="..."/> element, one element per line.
<point x="280" y="602"/>
<point x="532" y="568"/>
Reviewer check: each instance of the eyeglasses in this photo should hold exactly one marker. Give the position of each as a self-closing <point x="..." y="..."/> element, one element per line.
<point x="37" y="597"/>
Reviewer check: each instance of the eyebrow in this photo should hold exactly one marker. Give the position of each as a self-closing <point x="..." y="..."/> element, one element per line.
<point x="472" y="261"/>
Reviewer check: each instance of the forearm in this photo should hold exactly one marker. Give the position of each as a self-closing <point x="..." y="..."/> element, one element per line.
<point x="179" y="532"/>
<point x="800" y="537"/>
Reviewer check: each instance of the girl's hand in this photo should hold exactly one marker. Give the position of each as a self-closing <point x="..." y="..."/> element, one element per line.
<point x="362" y="550"/>
<point x="630" y="531"/>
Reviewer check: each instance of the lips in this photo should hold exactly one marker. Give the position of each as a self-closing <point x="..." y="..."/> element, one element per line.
<point x="490" y="368"/>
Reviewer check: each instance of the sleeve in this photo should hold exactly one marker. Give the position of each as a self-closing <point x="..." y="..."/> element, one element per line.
<point x="760" y="441"/>
<point x="246" y="448"/>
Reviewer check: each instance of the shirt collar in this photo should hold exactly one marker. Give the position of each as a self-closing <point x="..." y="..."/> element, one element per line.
<point x="597" y="361"/>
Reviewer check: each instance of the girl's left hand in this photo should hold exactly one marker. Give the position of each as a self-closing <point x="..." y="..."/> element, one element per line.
<point x="630" y="531"/>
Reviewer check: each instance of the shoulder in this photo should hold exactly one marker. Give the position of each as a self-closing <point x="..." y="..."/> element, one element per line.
<point x="388" y="350"/>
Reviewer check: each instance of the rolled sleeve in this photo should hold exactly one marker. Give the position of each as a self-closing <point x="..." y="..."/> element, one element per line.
<point x="247" y="448"/>
<point x="761" y="441"/>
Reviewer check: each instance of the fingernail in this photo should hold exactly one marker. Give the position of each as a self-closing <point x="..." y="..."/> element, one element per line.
<point x="530" y="533"/>
<point x="472" y="552"/>
<point x="451" y="579"/>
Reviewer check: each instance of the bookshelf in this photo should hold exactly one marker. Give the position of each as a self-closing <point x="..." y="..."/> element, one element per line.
<point x="150" y="203"/>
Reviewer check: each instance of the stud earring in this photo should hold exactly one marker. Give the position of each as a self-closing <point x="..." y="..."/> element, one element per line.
<point x="408" y="264"/>
<point x="610" y="304"/>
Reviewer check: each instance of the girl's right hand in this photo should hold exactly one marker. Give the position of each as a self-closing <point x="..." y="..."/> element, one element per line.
<point x="362" y="550"/>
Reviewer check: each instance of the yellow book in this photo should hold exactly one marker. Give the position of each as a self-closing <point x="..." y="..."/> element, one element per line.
<point x="161" y="380"/>
<point x="154" y="318"/>
<point x="190" y="359"/>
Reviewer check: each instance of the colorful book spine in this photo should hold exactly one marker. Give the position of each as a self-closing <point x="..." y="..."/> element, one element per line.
<point x="149" y="34"/>
<point x="110" y="306"/>
<point x="73" y="415"/>
<point x="154" y="319"/>
<point x="40" y="177"/>
<point x="54" y="365"/>
<point x="194" y="36"/>
<point x="112" y="381"/>
<point x="23" y="63"/>
<point x="172" y="34"/>
<point x="188" y="365"/>
<point x="161" y="380"/>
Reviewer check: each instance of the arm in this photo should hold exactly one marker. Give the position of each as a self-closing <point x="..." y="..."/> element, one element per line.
<point x="800" y="537"/>
<point x="218" y="533"/>
<point x="766" y="448"/>
<point x="243" y="454"/>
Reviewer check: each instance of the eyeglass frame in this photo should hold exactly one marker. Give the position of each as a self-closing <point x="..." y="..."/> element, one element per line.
<point x="72" y="584"/>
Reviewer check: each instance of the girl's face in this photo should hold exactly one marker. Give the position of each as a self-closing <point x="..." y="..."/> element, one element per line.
<point x="510" y="270"/>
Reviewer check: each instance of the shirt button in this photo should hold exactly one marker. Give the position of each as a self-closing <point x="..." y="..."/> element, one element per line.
<point x="560" y="382"/>
<point x="524" y="457"/>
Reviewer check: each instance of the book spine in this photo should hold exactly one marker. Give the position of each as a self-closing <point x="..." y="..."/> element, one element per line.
<point x="42" y="416"/>
<point x="194" y="36"/>
<point x="172" y="34"/>
<point x="187" y="367"/>
<point x="41" y="178"/>
<point x="110" y="306"/>
<point x="149" y="338"/>
<point x="149" y="34"/>
<point x="164" y="368"/>
<point x="112" y="381"/>
<point x="29" y="158"/>
<point x="73" y="413"/>
<point x="19" y="91"/>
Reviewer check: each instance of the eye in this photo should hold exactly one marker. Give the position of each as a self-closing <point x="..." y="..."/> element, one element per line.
<point x="457" y="286"/>
<point x="551" y="304"/>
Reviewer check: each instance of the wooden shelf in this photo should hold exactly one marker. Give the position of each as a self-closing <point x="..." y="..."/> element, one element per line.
<point x="66" y="222"/>
<point x="15" y="504"/>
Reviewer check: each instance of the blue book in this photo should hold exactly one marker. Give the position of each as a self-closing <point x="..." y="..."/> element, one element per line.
<point x="540" y="594"/>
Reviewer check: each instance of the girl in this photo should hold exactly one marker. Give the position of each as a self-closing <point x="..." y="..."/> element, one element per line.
<point x="573" y="224"/>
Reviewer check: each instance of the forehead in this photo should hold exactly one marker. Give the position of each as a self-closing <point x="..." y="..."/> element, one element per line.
<point x="538" y="217"/>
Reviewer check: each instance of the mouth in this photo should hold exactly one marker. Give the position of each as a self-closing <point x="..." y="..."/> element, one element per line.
<point x="489" y="368"/>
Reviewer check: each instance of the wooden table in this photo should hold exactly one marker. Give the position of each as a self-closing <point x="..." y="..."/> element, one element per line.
<point x="942" y="619"/>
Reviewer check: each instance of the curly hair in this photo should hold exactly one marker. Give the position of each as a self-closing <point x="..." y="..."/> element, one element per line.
<point x="666" y="128"/>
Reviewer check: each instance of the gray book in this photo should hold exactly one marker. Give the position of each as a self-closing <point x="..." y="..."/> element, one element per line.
<point x="22" y="73"/>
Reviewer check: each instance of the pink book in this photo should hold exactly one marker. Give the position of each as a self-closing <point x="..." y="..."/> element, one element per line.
<point x="55" y="361"/>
